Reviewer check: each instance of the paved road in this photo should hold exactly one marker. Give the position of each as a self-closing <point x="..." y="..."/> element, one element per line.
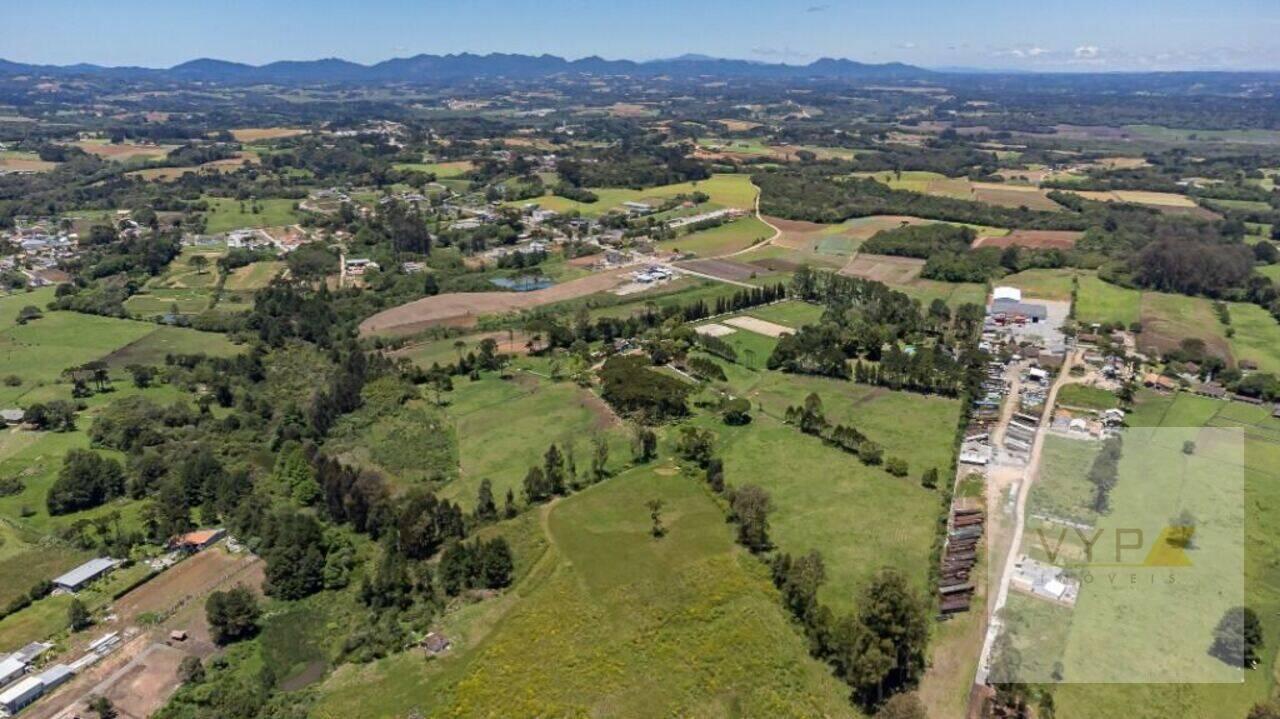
<point x="1029" y="475"/>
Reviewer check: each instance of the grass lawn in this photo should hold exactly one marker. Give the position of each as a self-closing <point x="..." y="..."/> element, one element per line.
<point x="1086" y="397"/>
<point x="1041" y="284"/>
<point x="253" y="276"/>
<point x="1257" y="336"/>
<point x="614" y="622"/>
<point x="152" y="302"/>
<point x="730" y="237"/>
<point x="225" y="214"/>
<point x="953" y="293"/>
<point x="28" y="555"/>
<point x="442" y="170"/>
<point x="1101" y="302"/>
<point x="792" y="313"/>
<point x="824" y="497"/>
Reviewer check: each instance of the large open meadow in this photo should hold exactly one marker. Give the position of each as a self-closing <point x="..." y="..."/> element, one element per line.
<point x="1261" y="473"/>
<point x="226" y="214"/>
<point x="723" y="190"/>
<point x="604" y="606"/>
<point x="823" y="496"/>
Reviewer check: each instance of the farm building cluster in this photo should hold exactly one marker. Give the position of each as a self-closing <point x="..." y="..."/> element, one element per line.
<point x="37" y="248"/>
<point x="22" y="682"/>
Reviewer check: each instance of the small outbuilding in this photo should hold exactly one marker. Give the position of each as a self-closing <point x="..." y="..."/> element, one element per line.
<point x="436" y="643"/>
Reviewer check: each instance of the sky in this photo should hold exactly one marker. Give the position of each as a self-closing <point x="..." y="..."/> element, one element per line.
<point x="1047" y="35"/>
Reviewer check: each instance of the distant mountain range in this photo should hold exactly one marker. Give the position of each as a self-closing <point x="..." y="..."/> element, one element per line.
<point x="467" y="66"/>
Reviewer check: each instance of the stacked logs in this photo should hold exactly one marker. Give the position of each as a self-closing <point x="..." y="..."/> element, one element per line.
<point x="955" y="589"/>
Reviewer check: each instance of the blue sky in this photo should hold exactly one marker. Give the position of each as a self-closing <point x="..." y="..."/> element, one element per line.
<point x="1041" y="34"/>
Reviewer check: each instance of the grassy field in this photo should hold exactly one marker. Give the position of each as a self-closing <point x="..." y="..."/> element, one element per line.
<point x="1168" y="319"/>
<point x="36" y="353"/>
<point x="1041" y="284"/>
<point x="442" y="170"/>
<point x="257" y="134"/>
<point x="724" y="191"/>
<point x="822" y="495"/>
<point x="40" y="350"/>
<point x="29" y="552"/>
<point x="1086" y="397"/>
<point x="164" y="340"/>
<point x="15" y="161"/>
<point x="1262" y="571"/>
<point x="729" y="237"/>
<point x="505" y="426"/>
<point x="1257" y="336"/>
<point x="1098" y="301"/>
<point x="792" y="313"/>
<point x="1179" y="135"/>
<point x="225" y="214"/>
<point x="613" y="622"/>
<point x="47" y="618"/>
<point x="953" y="293"/>
<point x="253" y="276"/>
<point x="151" y="302"/>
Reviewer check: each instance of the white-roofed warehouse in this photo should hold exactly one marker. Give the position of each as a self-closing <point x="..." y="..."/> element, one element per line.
<point x="76" y="578"/>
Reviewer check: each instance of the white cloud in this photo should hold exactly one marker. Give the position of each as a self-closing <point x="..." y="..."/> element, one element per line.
<point x="1036" y="51"/>
<point x="907" y="45"/>
<point x="1088" y="52"/>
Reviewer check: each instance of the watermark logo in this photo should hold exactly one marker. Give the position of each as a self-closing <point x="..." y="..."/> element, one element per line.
<point x="1130" y="564"/>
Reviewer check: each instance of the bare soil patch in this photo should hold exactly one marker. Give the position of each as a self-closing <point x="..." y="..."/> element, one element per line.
<point x="145" y="686"/>
<point x="1014" y="196"/>
<point x="602" y="415"/>
<point x="1165" y="326"/>
<point x="714" y="329"/>
<point x="23" y="164"/>
<point x="738" y="125"/>
<point x="796" y="234"/>
<point x="462" y="309"/>
<point x="884" y="268"/>
<point x="760" y="327"/>
<point x="251" y="134"/>
<point x="777" y="264"/>
<point x="190" y="579"/>
<point x="1055" y="239"/>
<point x="124" y="150"/>
<point x="723" y="269"/>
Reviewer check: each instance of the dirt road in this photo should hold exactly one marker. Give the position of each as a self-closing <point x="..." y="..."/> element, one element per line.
<point x="1029" y="475"/>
